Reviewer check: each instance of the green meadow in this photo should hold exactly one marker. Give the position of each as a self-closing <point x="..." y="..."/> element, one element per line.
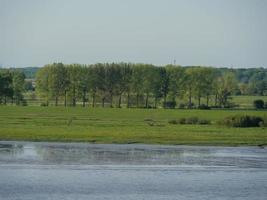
<point x="124" y="126"/>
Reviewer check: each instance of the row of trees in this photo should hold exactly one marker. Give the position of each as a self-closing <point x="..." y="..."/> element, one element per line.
<point x="135" y="85"/>
<point x="11" y="86"/>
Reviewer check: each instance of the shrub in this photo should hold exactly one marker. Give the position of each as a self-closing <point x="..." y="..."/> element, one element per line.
<point x="203" y="121"/>
<point x="190" y="105"/>
<point x="191" y="120"/>
<point x="204" y="107"/>
<point x="44" y="104"/>
<point x="242" y="121"/>
<point x="264" y="122"/>
<point x="259" y="104"/>
<point x="24" y="102"/>
<point x="170" y="104"/>
<point x="182" y="121"/>
<point x="231" y="105"/>
<point x="173" y="121"/>
<point x="182" y="106"/>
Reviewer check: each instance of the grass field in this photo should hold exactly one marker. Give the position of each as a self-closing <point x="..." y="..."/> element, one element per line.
<point x="244" y="102"/>
<point x="247" y="101"/>
<point x="123" y="126"/>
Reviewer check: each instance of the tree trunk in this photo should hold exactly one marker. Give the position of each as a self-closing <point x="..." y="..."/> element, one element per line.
<point x="120" y="101"/>
<point x="147" y="100"/>
<point x="111" y="99"/>
<point x="103" y="102"/>
<point x="208" y="99"/>
<point x="156" y="100"/>
<point x="216" y="99"/>
<point x="56" y="103"/>
<point x="93" y="100"/>
<point x="190" y="98"/>
<point x="199" y="100"/>
<point x="74" y="98"/>
<point x="128" y="100"/>
<point x="164" y="101"/>
<point x="84" y="98"/>
<point x="65" y="98"/>
<point x="137" y="100"/>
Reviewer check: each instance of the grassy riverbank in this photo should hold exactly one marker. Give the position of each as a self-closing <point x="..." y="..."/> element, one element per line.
<point x="124" y="126"/>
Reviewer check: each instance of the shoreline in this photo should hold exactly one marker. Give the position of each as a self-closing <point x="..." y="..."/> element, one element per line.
<point x="58" y="142"/>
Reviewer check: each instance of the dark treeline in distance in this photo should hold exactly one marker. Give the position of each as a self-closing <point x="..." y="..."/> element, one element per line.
<point x="132" y="85"/>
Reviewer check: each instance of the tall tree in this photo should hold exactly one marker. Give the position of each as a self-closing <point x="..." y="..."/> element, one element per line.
<point x="225" y="86"/>
<point x="74" y="73"/>
<point x="124" y="81"/>
<point x="42" y="88"/>
<point x="137" y="81"/>
<point x="57" y="81"/>
<point x="18" y="86"/>
<point x="6" y="89"/>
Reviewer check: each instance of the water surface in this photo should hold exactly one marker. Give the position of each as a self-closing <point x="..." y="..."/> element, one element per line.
<point x="90" y="171"/>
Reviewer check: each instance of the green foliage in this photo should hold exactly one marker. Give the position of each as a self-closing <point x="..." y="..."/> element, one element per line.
<point x="134" y="85"/>
<point x="204" y="107"/>
<point x="75" y="82"/>
<point x="264" y="122"/>
<point x="169" y="104"/>
<point x="12" y="85"/>
<point x="190" y="120"/>
<point x="242" y="121"/>
<point x="173" y="121"/>
<point x="258" y="104"/>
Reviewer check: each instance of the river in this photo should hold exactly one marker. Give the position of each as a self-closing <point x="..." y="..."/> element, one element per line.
<point x="55" y="171"/>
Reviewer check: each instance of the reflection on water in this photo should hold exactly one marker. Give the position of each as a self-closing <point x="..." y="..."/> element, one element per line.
<point x="53" y="171"/>
<point x="93" y="154"/>
<point x="11" y="149"/>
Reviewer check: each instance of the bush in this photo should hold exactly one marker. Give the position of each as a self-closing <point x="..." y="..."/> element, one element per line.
<point x="44" y="104"/>
<point x="170" y="104"/>
<point x="204" y="107"/>
<point x="24" y="102"/>
<point x="259" y="104"/>
<point x="264" y="122"/>
<point x="203" y="121"/>
<point x="190" y="120"/>
<point x="182" y="121"/>
<point x="231" y="105"/>
<point x="173" y="121"/>
<point x="182" y="106"/>
<point x="242" y="121"/>
<point x="192" y="105"/>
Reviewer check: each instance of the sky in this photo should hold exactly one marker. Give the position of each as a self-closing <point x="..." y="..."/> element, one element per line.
<point x="229" y="33"/>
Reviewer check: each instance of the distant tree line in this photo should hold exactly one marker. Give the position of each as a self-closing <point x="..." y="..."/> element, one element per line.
<point x="12" y="87"/>
<point x="134" y="85"/>
<point x="251" y="81"/>
<point x="130" y="85"/>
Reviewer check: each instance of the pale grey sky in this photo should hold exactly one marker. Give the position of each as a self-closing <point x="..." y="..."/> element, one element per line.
<point x="194" y="32"/>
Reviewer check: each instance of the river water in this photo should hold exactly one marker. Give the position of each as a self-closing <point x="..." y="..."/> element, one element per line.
<point x="55" y="171"/>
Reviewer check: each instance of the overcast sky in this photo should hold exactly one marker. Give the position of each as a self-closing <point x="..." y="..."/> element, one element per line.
<point x="231" y="33"/>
